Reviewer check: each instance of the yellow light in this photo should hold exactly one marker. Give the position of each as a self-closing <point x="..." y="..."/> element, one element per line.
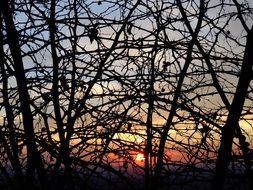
<point x="140" y="157"/>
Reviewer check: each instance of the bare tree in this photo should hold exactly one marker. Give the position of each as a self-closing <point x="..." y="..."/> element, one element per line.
<point x="33" y="158"/>
<point x="125" y="94"/>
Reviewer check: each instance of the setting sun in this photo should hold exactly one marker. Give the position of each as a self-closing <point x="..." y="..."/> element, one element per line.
<point x="140" y="157"/>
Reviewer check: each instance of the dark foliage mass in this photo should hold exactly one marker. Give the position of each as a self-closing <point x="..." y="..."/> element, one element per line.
<point x="117" y="94"/>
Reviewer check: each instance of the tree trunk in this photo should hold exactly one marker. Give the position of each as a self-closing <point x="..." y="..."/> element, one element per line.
<point x="33" y="157"/>
<point x="177" y="92"/>
<point x="224" y="153"/>
<point x="13" y="152"/>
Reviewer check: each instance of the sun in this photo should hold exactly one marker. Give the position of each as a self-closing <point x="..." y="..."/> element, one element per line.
<point x="140" y="157"/>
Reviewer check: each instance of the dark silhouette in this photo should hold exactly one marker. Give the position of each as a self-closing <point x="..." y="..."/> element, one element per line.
<point x="87" y="87"/>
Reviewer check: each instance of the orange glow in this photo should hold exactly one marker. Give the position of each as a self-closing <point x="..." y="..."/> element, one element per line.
<point x="140" y="157"/>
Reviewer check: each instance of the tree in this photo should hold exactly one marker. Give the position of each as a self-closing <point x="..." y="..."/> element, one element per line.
<point x="33" y="157"/>
<point x="87" y="86"/>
